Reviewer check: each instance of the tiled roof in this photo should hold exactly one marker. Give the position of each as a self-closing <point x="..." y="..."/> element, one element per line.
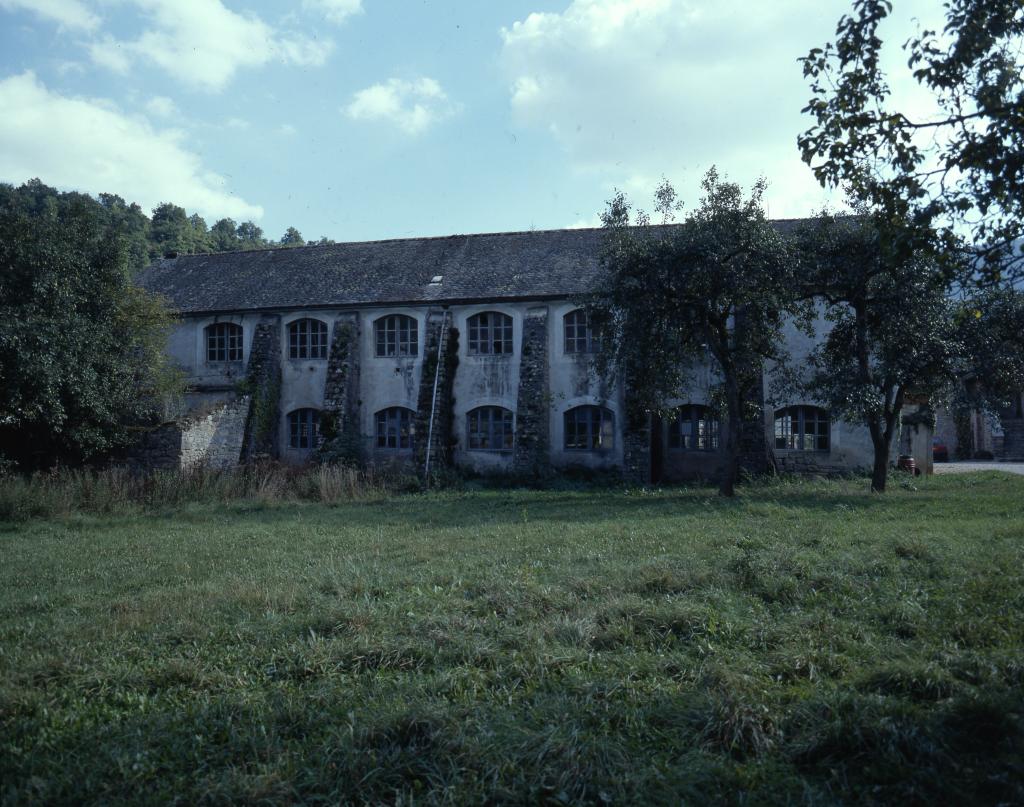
<point x="492" y="266"/>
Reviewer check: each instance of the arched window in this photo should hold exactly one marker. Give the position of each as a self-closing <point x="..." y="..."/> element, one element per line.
<point x="489" y="429"/>
<point x="307" y="339"/>
<point x="802" y="428"/>
<point x="490" y="333"/>
<point x="589" y="428"/>
<point x="695" y="428"/>
<point x="395" y="428"/>
<point x="224" y="342"/>
<point x="396" y="336"/>
<point x="303" y="428"/>
<point x="579" y="336"/>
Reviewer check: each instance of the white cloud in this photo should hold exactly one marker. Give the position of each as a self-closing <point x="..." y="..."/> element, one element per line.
<point x="161" y="106"/>
<point x="412" y="106"/>
<point x="335" y="11"/>
<point x="287" y="130"/>
<point x="66" y="13"/>
<point x="89" y="145"/>
<point x="204" y="44"/>
<point x="633" y="89"/>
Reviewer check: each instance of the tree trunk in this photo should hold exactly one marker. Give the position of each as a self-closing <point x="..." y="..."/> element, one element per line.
<point x="880" y="471"/>
<point x="727" y="484"/>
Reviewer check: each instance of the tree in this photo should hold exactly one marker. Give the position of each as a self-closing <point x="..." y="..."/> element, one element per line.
<point x="224" y="236"/>
<point x="199" y="235"/>
<point x="718" y="287"/>
<point x="990" y="326"/>
<point x="292" y="238"/>
<point x="958" y="173"/>
<point x="893" y="327"/>
<point x="81" y="347"/>
<point x="170" y="231"/>
<point x="250" y="236"/>
<point x="133" y="225"/>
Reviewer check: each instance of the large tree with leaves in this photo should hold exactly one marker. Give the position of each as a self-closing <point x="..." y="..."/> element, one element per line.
<point x="716" y="288"/>
<point x="955" y="174"/>
<point x="81" y="347"/>
<point x="891" y="327"/>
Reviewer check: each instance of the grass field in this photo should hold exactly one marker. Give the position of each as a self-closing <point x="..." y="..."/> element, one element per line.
<point x="805" y="643"/>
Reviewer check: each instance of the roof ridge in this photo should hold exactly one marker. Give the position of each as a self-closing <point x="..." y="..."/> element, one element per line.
<point x="408" y="238"/>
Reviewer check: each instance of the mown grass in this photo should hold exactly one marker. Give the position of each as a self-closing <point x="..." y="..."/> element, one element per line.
<point x="805" y="643"/>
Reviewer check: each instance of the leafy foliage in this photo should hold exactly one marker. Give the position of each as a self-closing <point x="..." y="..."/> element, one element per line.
<point x="81" y="347"/>
<point x="171" y="229"/>
<point x="957" y="172"/>
<point x="891" y="326"/>
<point x="718" y="287"/>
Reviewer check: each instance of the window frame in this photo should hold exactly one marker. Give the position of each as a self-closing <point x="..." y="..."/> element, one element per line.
<point x="593" y="436"/>
<point x="398" y="333"/>
<point x="224" y="338"/>
<point x="391" y="418"/>
<point x="790" y="429"/>
<point x="591" y="343"/>
<point x="499" y="428"/>
<point x="481" y="330"/>
<point x="303" y="426"/>
<point x="308" y="336"/>
<point x="702" y="432"/>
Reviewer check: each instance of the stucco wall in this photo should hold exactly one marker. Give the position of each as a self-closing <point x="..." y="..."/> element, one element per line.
<point x="482" y="381"/>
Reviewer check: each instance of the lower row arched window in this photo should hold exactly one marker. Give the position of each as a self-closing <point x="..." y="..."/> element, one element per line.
<point x="802" y="428"/>
<point x="396" y="428"/>
<point x="694" y="429"/>
<point x="589" y="428"/>
<point x="490" y="428"/>
<point x="303" y="428"/>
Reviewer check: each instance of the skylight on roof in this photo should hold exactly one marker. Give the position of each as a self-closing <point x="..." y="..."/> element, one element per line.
<point x="436" y="280"/>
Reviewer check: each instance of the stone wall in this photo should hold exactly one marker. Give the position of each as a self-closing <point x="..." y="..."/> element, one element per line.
<point x="156" y="449"/>
<point x="263" y="386"/>
<point x="532" y="441"/>
<point x="340" y="437"/>
<point x="215" y="439"/>
<point x="434" y="413"/>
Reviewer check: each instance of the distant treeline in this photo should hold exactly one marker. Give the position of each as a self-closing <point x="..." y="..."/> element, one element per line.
<point x="169" y="229"/>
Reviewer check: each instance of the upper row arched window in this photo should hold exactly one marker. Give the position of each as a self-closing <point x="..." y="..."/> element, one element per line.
<point x="490" y="333"/>
<point x="307" y="339"/>
<point x="224" y="342"/>
<point x="802" y="428"/>
<point x="396" y="335"/>
<point x="580" y="337"/>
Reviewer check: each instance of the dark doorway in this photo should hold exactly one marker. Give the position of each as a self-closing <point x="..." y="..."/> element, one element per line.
<point x="657" y="449"/>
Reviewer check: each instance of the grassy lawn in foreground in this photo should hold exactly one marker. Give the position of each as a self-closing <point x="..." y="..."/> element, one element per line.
<point x="804" y="643"/>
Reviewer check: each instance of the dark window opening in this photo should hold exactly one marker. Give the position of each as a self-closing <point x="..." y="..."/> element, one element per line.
<point x="589" y="428"/>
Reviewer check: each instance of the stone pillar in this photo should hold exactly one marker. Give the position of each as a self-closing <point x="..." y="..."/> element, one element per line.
<point x="756" y="452"/>
<point x="263" y="383"/>
<point x="532" y="454"/>
<point x="440" y="360"/>
<point x="636" y="447"/>
<point x="340" y="439"/>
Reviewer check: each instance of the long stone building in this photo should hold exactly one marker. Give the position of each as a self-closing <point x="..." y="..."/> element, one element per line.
<point x="469" y="349"/>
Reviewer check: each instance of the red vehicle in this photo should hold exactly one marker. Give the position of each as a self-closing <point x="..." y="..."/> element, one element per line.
<point x="939" y="451"/>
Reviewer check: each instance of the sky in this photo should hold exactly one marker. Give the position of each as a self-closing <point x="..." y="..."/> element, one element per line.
<point x="368" y="119"/>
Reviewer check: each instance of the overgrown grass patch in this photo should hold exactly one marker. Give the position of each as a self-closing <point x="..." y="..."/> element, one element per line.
<point x="807" y="642"/>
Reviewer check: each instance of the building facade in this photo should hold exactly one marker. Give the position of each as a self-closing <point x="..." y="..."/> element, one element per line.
<point x="465" y="350"/>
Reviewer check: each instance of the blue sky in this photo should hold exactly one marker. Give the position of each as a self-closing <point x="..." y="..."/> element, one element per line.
<point x="364" y="119"/>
